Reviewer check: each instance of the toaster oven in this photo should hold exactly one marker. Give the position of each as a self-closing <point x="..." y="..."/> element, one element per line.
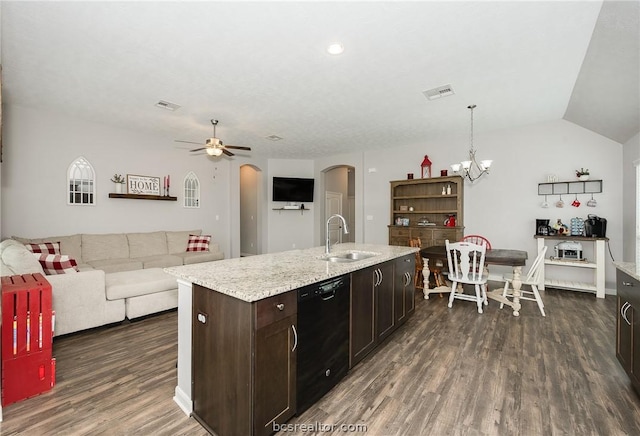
<point x="568" y="251"/>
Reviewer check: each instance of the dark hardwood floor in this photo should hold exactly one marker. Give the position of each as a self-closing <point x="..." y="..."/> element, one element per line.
<point x="446" y="371"/>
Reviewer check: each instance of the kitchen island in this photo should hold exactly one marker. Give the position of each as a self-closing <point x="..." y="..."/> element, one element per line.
<point x="253" y="297"/>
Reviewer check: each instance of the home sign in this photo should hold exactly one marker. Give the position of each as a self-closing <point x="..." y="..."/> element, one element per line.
<point x="143" y="185"/>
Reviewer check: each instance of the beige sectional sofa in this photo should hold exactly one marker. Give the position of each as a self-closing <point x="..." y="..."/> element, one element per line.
<point x="119" y="275"/>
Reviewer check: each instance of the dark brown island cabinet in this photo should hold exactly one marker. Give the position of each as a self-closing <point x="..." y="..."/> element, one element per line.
<point x="628" y="326"/>
<point x="382" y="298"/>
<point x="244" y="354"/>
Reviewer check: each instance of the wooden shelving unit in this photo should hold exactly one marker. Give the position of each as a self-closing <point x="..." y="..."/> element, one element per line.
<point x="597" y="265"/>
<point x="143" y="197"/>
<point x="426" y="199"/>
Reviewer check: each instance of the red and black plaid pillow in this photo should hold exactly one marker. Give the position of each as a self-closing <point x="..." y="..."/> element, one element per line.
<point x="57" y="263"/>
<point x="198" y="243"/>
<point x="44" y="247"/>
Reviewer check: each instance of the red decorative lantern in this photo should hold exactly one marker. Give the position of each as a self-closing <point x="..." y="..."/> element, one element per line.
<point x="426" y="167"/>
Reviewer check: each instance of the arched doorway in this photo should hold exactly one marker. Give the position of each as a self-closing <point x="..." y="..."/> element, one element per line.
<point x="250" y="239"/>
<point x="340" y="197"/>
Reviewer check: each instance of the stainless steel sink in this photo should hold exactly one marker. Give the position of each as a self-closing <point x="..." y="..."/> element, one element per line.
<point x="351" y="256"/>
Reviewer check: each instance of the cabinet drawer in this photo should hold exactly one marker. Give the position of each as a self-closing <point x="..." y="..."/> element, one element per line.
<point x="399" y="232"/>
<point x="275" y="308"/>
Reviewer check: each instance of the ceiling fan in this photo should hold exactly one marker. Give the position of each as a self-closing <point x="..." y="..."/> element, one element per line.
<point x="214" y="146"/>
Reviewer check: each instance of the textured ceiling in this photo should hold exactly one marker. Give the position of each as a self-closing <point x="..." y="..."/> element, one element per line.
<point x="262" y="69"/>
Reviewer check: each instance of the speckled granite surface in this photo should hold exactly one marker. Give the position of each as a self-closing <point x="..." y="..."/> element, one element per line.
<point x="630" y="268"/>
<point x="253" y="278"/>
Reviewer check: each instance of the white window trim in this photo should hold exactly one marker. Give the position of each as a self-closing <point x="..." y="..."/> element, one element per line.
<point x="86" y="174"/>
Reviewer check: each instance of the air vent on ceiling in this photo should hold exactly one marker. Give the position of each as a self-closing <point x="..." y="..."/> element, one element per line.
<point x="273" y="138"/>
<point x="440" y="91"/>
<point x="167" y="105"/>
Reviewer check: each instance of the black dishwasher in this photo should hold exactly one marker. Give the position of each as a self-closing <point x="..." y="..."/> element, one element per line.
<point x="323" y="339"/>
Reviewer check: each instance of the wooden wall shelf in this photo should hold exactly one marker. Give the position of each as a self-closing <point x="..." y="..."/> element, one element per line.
<point x="143" y="197"/>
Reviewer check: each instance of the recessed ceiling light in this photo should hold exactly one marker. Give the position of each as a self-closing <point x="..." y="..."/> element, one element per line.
<point x="273" y="138"/>
<point x="335" y="49"/>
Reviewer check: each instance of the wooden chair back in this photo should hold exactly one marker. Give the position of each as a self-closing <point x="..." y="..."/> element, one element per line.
<point x="466" y="262"/>
<point x="477" y="239"/>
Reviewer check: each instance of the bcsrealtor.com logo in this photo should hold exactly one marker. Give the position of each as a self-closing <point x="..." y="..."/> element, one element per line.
<point x="317" y="427"/>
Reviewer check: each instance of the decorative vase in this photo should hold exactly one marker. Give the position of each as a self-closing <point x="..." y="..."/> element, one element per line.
<point x="583" y="177"/>
<point x="118" y="188"/>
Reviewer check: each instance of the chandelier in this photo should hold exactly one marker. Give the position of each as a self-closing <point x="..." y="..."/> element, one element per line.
<point x="471" y="169"/>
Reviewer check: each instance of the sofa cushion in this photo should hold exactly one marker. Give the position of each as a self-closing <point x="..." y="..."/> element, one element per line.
<point x="192" y="257"/>
<point x="177" y="241"/>
<point x="140" y="282"/>
<point x="104" y="246"/>
<point x="198" y="243"/>
<point x="56" y="263"/>
<point x="17" y="259"/>
<point x="69" y="245"/>
<point x="161" y="261"/>
<point x="44" y="247"/>
<point x="147" y="244"/>
<point x="116" y="265"/>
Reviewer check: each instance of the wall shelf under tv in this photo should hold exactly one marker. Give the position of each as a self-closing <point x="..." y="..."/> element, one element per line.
<point x="302" y="211"/>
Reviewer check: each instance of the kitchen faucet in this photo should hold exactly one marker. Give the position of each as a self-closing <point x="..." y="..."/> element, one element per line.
<point x="346" y="230"/>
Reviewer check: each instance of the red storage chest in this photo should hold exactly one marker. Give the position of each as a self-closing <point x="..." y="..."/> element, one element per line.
<point x="28" y="368"/>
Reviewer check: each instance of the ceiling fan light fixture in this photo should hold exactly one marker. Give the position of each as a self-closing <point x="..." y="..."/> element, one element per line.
<point x="212" y="151"/>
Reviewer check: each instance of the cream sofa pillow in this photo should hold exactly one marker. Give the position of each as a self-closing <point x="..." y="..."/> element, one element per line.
<point x="18" y="259"/>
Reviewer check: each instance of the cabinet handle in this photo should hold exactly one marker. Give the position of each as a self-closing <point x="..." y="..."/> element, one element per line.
<point x="627" y="284"/>
<point x="295" y="337"/>
<point x="408" y="277"/>
<point x="376" y="281"/>
<point x="381" y="278"/>
<point x="624" y="313"/>
<point x="280" y="306"/>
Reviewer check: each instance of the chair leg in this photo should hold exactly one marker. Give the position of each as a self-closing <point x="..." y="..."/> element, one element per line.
<point x="478" y="298"/>
<point x="453" y="294"/>
<point x="538" y="299"/>
<point x="484" y="294"/>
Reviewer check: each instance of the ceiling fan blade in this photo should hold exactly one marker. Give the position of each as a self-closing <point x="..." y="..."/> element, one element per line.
<point x="227" y="152"/>
<point x="199" y="149"/>
<point x="235" y="147"/>
<point x="188" y="142"/>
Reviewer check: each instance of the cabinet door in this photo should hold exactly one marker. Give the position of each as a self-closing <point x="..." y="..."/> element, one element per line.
<point x="363" y="327"/>
<point x="623" y="337"/>
<point x="385" y="301"/>
<point x="404" y="287"/>
<point x="275" y="374"/>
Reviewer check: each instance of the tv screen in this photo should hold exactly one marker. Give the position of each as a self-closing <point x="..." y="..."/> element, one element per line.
<point x="293" y="190"/>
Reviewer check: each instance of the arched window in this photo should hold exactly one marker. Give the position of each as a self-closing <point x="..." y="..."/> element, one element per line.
<point x="81" y="180"/>
<point x="191" y="191"/>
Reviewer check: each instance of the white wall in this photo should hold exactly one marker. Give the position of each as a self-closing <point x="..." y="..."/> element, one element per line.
<point x="630" y="199"/>
<point x="40" y="146"/>
<point x="290" y="229"/>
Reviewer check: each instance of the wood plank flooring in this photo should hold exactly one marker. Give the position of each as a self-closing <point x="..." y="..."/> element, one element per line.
<point x="445" y="372"/>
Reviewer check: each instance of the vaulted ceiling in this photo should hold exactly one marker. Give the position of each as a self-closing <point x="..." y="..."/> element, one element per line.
<point x="262" y="68"/>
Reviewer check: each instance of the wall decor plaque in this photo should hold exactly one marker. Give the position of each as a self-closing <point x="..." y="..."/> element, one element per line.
<point x="143" y="185"/>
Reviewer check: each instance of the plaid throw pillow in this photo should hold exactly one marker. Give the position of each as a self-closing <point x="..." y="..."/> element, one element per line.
<point x="198" y="243"/>
<point x="45" y="247"/>
<point x="57" y="263"/>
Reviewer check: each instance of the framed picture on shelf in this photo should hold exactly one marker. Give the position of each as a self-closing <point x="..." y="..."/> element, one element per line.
<point x="143" y="185"/>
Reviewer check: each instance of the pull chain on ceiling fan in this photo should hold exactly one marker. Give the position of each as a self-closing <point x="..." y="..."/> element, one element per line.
<point x="214" y="146"/>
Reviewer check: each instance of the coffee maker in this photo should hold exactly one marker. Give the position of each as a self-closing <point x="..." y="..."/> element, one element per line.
<point x="595" y="227"/>
<point x="542" y="227"/>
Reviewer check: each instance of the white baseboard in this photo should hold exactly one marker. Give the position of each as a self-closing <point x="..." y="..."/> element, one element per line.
<point x="183" y="401"/>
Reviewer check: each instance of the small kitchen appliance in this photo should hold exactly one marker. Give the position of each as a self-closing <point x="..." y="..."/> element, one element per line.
<point x="595" y="227"/>
<point x="542" y="227"/>
<point x="451" y="221"/>
<point x="568" y="250"/>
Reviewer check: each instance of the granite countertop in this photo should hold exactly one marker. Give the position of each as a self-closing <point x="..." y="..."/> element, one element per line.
<point x="630" y="268"/>
<point x="253" y="278"/>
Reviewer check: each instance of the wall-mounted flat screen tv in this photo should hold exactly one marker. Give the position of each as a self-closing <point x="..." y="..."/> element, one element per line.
<point x="292" y="190"/>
